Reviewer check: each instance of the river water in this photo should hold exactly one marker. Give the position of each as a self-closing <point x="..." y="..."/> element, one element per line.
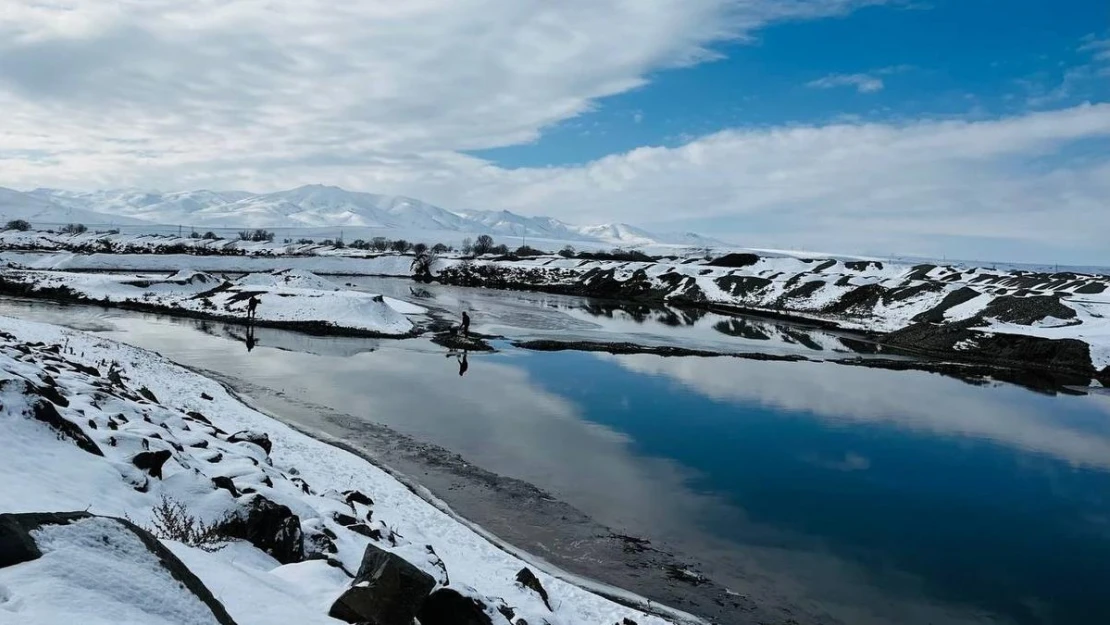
<point x="831" y="493"/>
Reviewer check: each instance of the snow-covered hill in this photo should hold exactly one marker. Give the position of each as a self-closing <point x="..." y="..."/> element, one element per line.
<point x="319" y="206"/>
<point x="39" y="209"/>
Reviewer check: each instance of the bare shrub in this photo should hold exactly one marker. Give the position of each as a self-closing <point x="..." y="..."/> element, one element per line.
<point x="170" y="520"/>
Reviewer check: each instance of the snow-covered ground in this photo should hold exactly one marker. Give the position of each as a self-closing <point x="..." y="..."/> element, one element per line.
<point x="284" y="296"/>
<point x="80" y="414"/>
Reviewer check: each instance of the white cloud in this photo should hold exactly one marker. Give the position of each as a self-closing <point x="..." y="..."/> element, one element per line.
<point x="864" y="83"/>
<point x="383" y="96"/>
<point x="99" y="88"/>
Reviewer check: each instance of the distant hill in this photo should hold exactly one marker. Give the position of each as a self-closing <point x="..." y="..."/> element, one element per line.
<point x="318" y="206"/>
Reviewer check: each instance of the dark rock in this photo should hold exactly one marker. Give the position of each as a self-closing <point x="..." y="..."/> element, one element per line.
<point x="271" y="527"/>
<point x="862" y="299"/>
<point x="217" y="458"/>
<point x="1026" y="310"/>
<point x="365" y="530"/>
<point x="206" y="396"/>
<point x="258" y="438"/>
<point x="93" y="371"/>
<point x="387" y="590"/>
<point x="863" y="265"/>
<point x="46" y="412"/>
<point x="344" y="519"/>
<point x="152" y="461"/>
<point x="739" y="286"/>
<point x="227" y="484"/>
<point x="955" y="298"/>
<point x="354" y="496"/>
<point x="447" y="607"/>
<point x="197" y="416"/>
<point x="17" y="545"/>
<point x="529" y="580"/>
<point x="734" y="260"/>
<point x="145" y="392"/>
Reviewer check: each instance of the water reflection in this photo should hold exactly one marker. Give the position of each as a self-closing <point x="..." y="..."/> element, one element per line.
<point x="526" y="316"/>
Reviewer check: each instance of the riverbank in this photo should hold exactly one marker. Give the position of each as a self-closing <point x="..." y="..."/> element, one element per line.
<point x="1056" y="323"/>
<point x="93" y="424"/>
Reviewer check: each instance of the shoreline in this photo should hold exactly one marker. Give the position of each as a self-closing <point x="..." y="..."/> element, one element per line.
<point x="625" y="552"/>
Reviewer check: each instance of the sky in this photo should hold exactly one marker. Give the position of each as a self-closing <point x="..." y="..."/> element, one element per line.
<point x="974" y="129"/>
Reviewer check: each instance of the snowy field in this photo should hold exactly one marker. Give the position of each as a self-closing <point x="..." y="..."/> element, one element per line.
<point x="110" y="408"/>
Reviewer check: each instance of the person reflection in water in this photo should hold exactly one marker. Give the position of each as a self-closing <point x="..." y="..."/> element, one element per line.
<point x="250" y="337"/>
<point x="463" y="364"/>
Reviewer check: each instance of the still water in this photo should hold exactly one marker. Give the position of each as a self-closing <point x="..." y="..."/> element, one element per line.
<point x="855" y="495"/>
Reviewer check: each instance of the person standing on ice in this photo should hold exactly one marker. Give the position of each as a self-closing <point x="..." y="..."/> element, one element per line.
<point x="252" y="305"/>
<point x="465" y="324"/>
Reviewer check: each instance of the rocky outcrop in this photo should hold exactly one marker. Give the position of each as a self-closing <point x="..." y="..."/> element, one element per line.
<point x="387" y="590"/>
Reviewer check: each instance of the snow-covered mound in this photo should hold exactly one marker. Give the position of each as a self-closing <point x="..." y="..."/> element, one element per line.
<point x="314" y="304"/>
<point x="290" y="278"/>
<point x="91" y="424"/>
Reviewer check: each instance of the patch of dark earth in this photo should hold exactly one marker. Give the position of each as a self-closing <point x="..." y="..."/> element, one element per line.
<point x="529" y="519"/>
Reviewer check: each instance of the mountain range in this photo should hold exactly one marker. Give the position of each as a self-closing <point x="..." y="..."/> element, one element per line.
<point x="308" y="207"/>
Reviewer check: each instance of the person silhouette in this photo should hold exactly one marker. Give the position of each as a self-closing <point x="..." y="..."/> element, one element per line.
<point x="252" y="305"/>
<point x="250" y="337"/>
<point x="465" y="324"/>
<point x="463" y="365"/>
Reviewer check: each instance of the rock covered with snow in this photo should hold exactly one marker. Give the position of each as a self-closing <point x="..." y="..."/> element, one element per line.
<point x="77" y="567"/>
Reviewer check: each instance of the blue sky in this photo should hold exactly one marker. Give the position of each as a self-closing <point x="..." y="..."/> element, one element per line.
<point x="976" y="129"/>
<point x="976" y="59"/>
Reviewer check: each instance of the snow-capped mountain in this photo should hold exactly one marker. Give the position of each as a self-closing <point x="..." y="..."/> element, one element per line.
<point x="320" y="206"/>
<point x="39" y="210"/>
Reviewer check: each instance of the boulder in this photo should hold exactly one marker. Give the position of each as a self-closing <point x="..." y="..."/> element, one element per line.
<point x="258" y="438"/>
<point x="387" y="590"/>
<point x="354" y="496"/>
<point x="18" y="545"/>
<point x="447" y="606"/>
<point x="529" y="580"/>
<point x="152" y="461"/>
<point x="227" y="484"/>
<point x="271" y="527"/>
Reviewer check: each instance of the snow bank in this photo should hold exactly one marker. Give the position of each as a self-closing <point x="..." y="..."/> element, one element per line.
<point x="291" y="278"/>
<point x="292" y="297"/>
<point x="96" y="572"/>
<point x="136" y="401"/>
